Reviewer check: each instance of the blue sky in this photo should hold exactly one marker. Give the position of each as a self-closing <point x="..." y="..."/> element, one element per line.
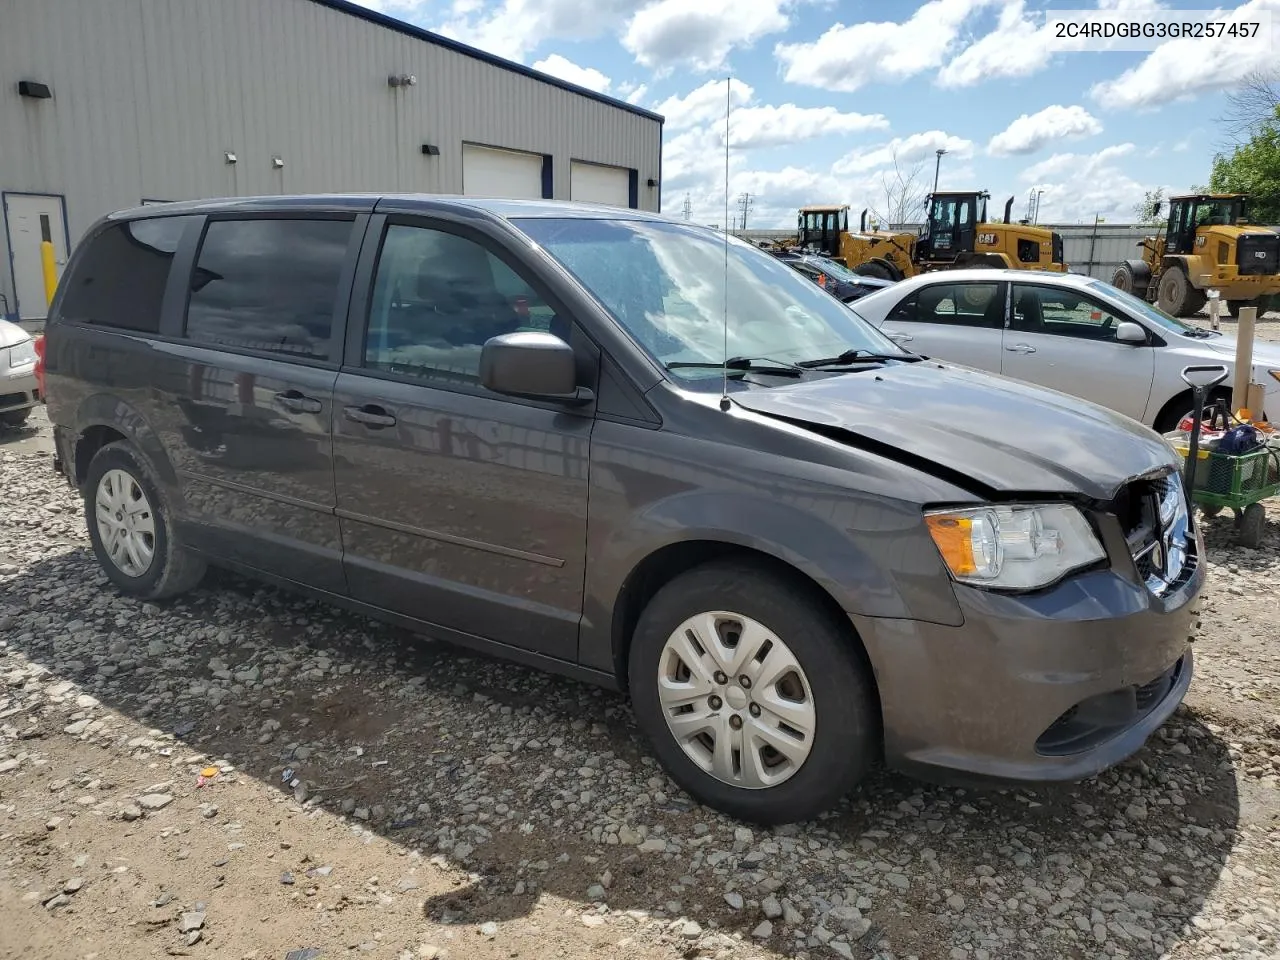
<point x="834" y="99"/>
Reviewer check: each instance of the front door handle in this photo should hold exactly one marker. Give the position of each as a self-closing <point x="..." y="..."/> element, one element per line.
<point x="1021" y="348"/>
<point x="371" y="415"/>
<point x="298" y="402"/>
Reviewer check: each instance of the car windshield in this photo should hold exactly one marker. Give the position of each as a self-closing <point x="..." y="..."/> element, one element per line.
<point x="665" y="282"/>
<point x="831" y="268"/>
<point x="1141" y="307"/>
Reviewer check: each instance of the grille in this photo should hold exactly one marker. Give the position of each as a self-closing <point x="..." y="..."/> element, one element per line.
<point x="1158" y="531"/>
<point x="1258" y="253"/>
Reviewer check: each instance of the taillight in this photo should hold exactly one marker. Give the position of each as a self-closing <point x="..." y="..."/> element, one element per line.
<point x="40" y="364"/>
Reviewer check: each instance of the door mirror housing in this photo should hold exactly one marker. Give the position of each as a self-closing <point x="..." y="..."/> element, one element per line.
<point x="1129" y="332"/>
<point x="530" y="363"/>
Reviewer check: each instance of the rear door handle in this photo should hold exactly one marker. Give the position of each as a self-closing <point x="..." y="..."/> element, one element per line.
<point x="298" y="402"/>
<point x="1021" y="348"/>
<point x="371" y="415"/>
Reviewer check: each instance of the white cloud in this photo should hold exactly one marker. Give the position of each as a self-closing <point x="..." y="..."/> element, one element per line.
<point x="1182" y="68"/>
<point x="514" y="28"/>
<point x="1031" y="132"/>
<point x="1078" y="186"/>
<point x="907" y="150"/>
<point x="632" y="92"/>
<point x="699" y="36"/>
<point x="704" y="104"/>
<point x="1021" y="45"/>
<point x="846" y="58"/>
<point x="768" y="126"/>
<point x="570" y="72"/>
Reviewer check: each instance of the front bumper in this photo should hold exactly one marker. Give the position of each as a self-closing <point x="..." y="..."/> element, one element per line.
<point x="1058" y="685"/>
<point x="19" y="388"/>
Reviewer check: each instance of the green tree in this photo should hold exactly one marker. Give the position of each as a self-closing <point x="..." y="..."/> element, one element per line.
<point x="1142" y="211"/>
<point x="1253" y="167"/>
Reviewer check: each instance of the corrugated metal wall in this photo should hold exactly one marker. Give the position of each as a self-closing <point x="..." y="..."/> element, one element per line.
<point x="148" y="96"/>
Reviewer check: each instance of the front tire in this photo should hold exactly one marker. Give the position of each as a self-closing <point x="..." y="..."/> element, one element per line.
<point x="130" y="527"/>
<point x="780" y="748"/>
<point x="1176" y="296"/>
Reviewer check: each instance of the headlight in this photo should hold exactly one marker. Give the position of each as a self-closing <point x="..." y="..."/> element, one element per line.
<point x="22" y="354"/>
<point x="1014" y="547"/>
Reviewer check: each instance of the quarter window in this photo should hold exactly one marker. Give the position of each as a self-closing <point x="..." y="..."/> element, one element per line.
<point x="437" y="297"/>
<point x="954" y="304"/>
<point x="120" y="280"/>
<point x="1061" y="312"/>
<point x="268" y="284"/>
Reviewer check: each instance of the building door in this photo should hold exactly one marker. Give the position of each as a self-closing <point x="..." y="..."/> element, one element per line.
<point x="597" y="183"/>
<point x="512" y="174"/>
<point x="30" y="219"/>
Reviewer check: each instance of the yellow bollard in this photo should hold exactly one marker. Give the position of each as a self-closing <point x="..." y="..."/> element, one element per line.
<point x="50" y="269"/>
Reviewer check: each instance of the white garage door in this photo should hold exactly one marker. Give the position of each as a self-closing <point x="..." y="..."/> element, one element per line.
<point x="487" y="172"/>
<point x="594" y="183"/>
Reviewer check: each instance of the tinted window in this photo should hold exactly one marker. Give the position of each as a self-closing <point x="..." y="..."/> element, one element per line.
<point x="1060" y="311"/>
<point x="955" y="304"/>
<point x="119" y="281"/>
<point x="437" y="297"/>
<point x="268" y="285"/>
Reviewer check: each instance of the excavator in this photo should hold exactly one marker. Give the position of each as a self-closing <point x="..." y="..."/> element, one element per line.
<point x="1207" y="243"/>
<point x="956" y="234"/>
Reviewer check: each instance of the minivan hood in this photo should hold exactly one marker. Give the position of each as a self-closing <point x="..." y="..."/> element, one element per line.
<point x="1009" y="436"/>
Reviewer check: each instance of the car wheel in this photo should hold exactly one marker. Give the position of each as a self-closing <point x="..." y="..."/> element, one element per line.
<point x="1253" y="526"/>
<point x="756" y="700"/>
<point x="15" y="418"/>
<point x="130" y="527"/>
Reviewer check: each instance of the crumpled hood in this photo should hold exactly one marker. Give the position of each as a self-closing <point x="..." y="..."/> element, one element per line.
<point x="1009" y="436"/>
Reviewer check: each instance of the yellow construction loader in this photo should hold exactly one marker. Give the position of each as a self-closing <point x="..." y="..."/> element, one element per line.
<point x="956" y="234"/>
<point x="1207" y="244"/>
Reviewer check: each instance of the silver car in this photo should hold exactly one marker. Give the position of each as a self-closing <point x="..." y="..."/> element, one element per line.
<point x="19" y="389"/>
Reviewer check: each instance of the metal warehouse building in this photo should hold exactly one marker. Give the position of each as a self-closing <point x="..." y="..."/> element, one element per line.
<point x="111" y="103"/>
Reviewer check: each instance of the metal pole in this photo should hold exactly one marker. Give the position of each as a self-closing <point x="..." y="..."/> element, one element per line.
<point x="48" y="266"/>
<point x="937" y="167"/>
<point x="1093" y="243"/>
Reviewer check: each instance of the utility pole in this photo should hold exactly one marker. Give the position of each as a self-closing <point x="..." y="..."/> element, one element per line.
<point x="688" y="207"/>
<point x="744" y="204"/>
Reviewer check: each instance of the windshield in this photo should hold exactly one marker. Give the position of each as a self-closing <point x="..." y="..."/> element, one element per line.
<point x="834" y="269"/>
<point x="1140" y="306"/>
<point x="1218" y="212"/>
<point x="665" y="282"/>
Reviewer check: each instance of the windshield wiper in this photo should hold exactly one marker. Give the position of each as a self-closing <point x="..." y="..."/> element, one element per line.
<point x="853" y="356"/>
<point x="1199" y="333"/>
<point x="743" y="364"/>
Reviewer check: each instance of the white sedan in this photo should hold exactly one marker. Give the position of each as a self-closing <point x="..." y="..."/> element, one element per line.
<point x="19" y="389"/>
<point x="1068" y="332"/>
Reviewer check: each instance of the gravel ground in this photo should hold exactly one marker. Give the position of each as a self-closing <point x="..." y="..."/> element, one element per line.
<point x="243" y="773"/>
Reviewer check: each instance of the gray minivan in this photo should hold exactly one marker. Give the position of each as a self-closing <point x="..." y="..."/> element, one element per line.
<point x="511" y="425"/>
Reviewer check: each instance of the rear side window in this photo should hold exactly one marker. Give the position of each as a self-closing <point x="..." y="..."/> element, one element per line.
<point x="120" y="279"/>
<point x="268" y="284"/>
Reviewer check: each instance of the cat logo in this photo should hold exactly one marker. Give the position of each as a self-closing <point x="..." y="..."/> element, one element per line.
<point x="987" y="238"/>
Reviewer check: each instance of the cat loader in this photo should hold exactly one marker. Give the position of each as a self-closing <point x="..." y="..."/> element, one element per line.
<point x="956" y="234"/>
<point x="1207" y="243"/>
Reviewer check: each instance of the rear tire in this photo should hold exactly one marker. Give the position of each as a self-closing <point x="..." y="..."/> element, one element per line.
<point x="819" y="681"/>
<point x="131" y="529"/>
<point x="1233" y="306"/>
<point x="1123" y="279"/>
<point x="875" y="268"/>
<point x="1176" y="296"/>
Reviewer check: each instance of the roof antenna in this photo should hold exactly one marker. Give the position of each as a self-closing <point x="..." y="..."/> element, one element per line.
<point x="724" y="374"/>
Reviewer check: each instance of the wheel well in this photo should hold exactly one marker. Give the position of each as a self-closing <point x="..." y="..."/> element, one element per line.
<point x="1182" y="401"/>
<point x="88" y="444"/>
<point x="663" y="566"/>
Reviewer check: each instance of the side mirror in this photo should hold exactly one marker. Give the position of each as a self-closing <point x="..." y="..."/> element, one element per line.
<point x="533" y="364"/>
<point x="1204" y="376"/>
<point x="1155" y="208"/>
<point x="1129" y="332"/>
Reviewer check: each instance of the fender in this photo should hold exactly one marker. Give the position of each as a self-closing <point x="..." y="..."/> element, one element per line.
<point x="104" y="410"/>
<point x="815" y="546"/>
